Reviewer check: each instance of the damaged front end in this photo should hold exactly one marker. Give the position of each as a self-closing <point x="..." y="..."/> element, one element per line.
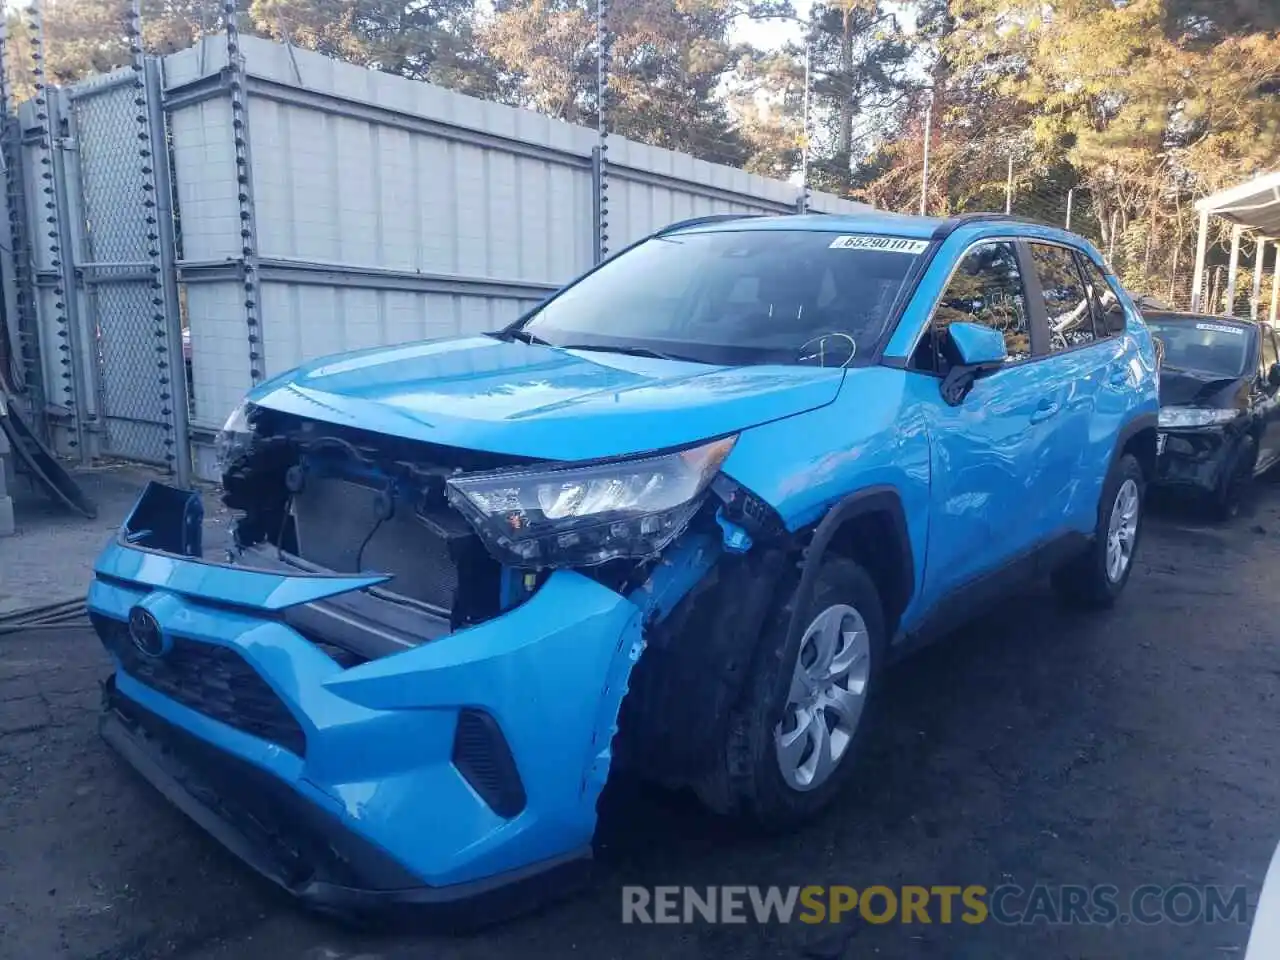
<point x="421" y="650"/>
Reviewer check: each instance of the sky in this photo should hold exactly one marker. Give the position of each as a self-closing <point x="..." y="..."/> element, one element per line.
<point x="768" y="34"/>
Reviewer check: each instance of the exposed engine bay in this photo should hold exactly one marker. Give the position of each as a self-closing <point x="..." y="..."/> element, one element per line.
<point x="329" y="498"/>
<point x="345" y="500"/>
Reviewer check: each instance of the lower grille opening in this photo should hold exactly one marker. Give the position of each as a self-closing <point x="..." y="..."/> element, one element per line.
<point x="212" y="680"/>
<point x="482" y="756"/>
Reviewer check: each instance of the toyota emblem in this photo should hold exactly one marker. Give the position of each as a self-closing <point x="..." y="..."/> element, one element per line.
<point x="145" y="632"/>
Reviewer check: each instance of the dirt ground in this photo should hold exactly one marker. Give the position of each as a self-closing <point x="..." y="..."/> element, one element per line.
<point x="1135" y="747"/>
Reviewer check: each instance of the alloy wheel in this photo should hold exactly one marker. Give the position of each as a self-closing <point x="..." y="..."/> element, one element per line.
<point x="1122" y="530"/>
<point x="829" y="685"/>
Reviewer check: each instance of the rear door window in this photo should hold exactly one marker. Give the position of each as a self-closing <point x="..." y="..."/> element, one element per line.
<point x="1066" y="301"/>
<point x="1101" y="296"/>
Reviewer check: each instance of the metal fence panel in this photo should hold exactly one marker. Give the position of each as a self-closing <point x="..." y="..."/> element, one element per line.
<point x="115" y="264"/>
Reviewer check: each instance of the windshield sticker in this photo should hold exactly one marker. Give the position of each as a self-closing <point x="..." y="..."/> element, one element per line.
<point x="1220" y="328"/>
<point x="883" y="244"/>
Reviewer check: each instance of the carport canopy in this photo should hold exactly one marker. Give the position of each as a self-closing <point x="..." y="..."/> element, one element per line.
<point x="1252" y="207"/>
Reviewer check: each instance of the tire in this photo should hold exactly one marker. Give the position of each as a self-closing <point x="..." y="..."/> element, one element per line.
<point x="750" y="782"/>
<point x="1236" y="479"/>
<point x="1094" y="579"/>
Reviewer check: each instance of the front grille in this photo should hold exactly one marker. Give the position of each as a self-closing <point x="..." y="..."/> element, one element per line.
<point x="212" y="680"/>
<point x="338" y="527"/>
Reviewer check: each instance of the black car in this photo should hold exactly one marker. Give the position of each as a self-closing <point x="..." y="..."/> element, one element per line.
<point x="1219" y="404"/>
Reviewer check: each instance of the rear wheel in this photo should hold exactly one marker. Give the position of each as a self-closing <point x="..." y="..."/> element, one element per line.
<point x="1097" y="577"/>
<point x="792" y="743"/>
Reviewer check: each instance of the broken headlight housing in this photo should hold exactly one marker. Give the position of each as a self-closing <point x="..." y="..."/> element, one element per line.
<point x="235" y="437"/>
<point x="586" y="514"/>
<point x="1174" y="417"/>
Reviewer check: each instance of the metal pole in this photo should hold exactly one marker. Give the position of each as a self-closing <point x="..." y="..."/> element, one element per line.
<point x="804" y="136"/>
<point x="52" y="187"/>
<point x="1202" y="251"/>
<point x="244" y="182"/>
<point x="1008" y="188"/>
<point x="1111" y="245"/>
<point x="1071" y="198"/>
<point x="924" y="174"/>
<point x="1237" y="233"/>
<point x="64" y="259"/>
<point x="168" y="274"/>
<point x="600" y="156"/>
<point x="1275" y="288"/>
<point x="1259" y="264"/>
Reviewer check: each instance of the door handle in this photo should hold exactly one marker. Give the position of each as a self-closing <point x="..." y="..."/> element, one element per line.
<point x="1045" y="410"/>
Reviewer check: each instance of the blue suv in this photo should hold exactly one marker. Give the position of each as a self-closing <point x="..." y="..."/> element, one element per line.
<point x="677" y="519"/>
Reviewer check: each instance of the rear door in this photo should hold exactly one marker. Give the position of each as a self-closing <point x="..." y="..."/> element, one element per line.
<point x="1080" y="363"/>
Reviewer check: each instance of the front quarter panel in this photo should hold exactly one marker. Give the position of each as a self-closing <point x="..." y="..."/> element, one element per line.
<point x="872" y="435"/>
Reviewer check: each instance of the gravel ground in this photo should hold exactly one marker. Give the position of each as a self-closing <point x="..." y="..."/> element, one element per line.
<point x="1037" y="745"/>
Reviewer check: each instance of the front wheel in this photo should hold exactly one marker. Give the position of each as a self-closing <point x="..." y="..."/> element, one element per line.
<point x="792" y="742"/>
<point x="1097" y="577"/>
<point x="1236" y="478"/>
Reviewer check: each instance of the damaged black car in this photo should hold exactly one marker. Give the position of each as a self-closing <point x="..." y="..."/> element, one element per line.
<point x="1219" y="406"/>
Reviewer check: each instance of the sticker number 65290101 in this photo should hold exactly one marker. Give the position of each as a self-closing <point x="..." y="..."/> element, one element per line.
<point x="882" y="244"/>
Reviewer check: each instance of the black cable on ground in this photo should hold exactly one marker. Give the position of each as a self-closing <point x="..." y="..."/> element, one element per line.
<point x="60" y="615"/>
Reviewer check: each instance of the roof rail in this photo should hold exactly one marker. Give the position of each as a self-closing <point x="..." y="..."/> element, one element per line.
<point x="709" y="218"/>
<point x="952" y="224"/>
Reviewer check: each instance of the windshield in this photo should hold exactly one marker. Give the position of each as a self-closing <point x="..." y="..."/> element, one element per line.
<point x="1203" y="346"/>
<point x="759" y="296"/>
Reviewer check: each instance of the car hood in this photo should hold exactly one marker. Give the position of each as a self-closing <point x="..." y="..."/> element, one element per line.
<point x="1186" y="388"/>
<point x="535" y="401"/>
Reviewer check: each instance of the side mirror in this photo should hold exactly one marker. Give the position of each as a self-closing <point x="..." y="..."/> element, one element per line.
<point x="1273" y="375"/>
<point x="978" y="348"/>
<point x="977" y="345"/>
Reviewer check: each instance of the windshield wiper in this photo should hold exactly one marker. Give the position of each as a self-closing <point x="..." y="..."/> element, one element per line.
<point x="524" y="336"/>
<point x="628" y="350"/>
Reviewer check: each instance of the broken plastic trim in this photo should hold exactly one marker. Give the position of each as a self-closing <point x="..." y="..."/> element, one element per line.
<point x="167" y="520"/>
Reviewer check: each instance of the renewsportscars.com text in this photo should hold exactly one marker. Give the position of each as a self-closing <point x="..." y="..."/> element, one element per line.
<point x="1007" y="904"/>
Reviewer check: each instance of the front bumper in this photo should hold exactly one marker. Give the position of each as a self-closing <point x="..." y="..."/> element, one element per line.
<point x="1194" y="458"/>
<point x="301" y="847"/>
<point x="394" y="776"/>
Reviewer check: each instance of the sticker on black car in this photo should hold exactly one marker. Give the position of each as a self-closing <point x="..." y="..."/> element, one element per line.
<point x="1221" y="328"/>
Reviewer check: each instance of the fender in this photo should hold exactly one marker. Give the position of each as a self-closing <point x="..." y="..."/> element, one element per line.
<point x="1142" y="421"/>
<point x="881" y="498"/>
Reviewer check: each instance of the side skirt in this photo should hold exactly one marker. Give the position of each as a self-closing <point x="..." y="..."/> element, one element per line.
<point x="978" y="595"/>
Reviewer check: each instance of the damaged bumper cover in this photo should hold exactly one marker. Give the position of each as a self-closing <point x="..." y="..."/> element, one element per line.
<point x="1195" y="459"/>
<point x="463" y="768"/>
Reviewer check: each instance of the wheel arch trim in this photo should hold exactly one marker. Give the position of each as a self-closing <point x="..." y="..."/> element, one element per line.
<point x="878" y="499"/>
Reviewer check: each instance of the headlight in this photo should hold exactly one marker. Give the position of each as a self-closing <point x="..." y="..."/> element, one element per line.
<point x="585" y="515"/>
<point x="1195" y="416"/>
<point x="234" y="437"/>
